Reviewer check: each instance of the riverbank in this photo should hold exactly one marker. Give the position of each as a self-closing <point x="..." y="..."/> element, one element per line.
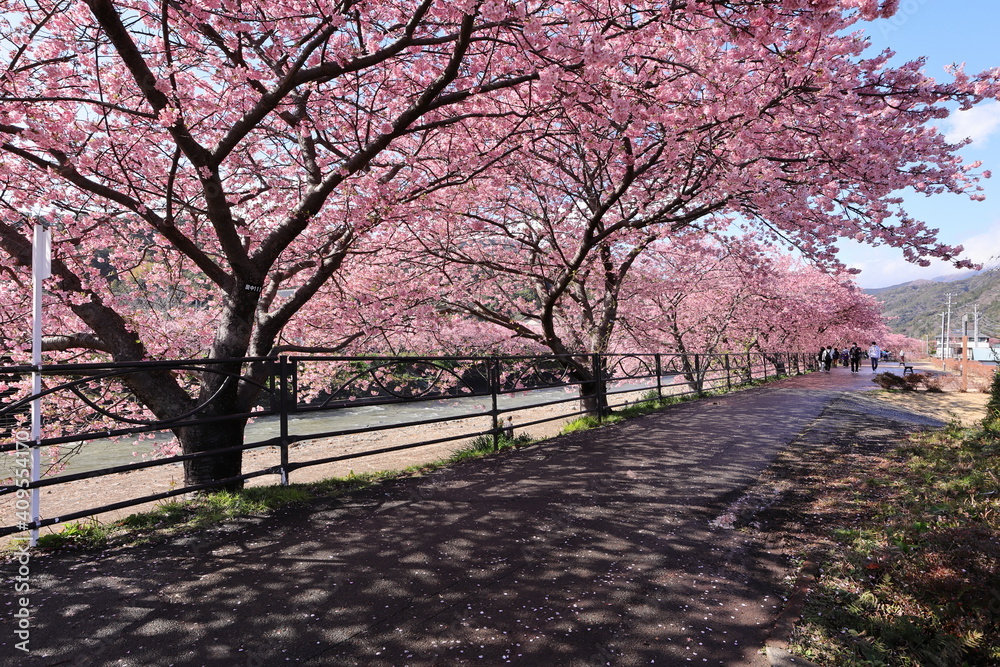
<point x="84" y="494"/>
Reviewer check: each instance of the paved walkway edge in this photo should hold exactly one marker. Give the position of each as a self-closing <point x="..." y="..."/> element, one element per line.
<point x="782" y="658"/>
<point x="777" y="645"/>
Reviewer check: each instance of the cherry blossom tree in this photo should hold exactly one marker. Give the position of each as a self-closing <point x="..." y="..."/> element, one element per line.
<point x="797" y="307"/>
<point x="701" y="296"/>
<point x="209" y="165"/>
<point x="899" y="344"/>
<point x="785" y="134"/>
<point x="746" y="297"/>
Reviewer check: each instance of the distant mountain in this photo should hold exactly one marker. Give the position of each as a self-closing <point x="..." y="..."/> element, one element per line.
<point x="915" y="308"/>
<point x="961" y="275"/>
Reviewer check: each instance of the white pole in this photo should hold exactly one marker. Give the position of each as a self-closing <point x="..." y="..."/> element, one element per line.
<point x="975" y="332"/>
<point x="941" y="347"/>
<point x="941" y="350"/>
<point x="948" y="329"/>
<point x="40" y="270"/>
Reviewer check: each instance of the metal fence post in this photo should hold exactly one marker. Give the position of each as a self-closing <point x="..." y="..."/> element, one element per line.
<point x="595" y="362"/>
<point x="697" y="375"/>
<point x="659" y="377"/>
<point x="729" y="374"/>
<point x="494" y="374"/>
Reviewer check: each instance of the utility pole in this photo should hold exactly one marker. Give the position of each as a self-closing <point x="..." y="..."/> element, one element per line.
<point x="948" y="328"/>
<point x="941" y="347"/>
<point x="965" y="362"/>
<point x="965" y="340"/>
<point x="975" y="327"/>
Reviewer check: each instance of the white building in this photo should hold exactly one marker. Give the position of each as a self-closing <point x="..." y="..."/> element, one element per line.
<point x="983" y="348"/>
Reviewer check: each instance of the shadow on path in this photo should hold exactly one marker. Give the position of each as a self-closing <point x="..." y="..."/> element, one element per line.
<point x="599" y="547"/>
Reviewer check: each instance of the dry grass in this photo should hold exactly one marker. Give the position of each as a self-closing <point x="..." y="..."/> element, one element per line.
<point x="913" y="575"/>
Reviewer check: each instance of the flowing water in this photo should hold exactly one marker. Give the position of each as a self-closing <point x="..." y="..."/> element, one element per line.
<point x="97" y="454"/>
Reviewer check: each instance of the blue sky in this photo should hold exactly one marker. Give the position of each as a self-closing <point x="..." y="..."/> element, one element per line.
<point x="945" y="31"/>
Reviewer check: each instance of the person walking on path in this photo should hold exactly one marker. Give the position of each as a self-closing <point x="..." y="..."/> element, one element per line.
<point x="826" y="356"/>
<point x="874" y="353"/>
<point x="855" y="354"/>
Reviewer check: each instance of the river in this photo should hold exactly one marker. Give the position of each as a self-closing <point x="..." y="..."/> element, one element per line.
<point x="105" y="453"/>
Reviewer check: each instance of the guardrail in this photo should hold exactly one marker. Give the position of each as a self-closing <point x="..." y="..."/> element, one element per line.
<point x="90" y="405"/>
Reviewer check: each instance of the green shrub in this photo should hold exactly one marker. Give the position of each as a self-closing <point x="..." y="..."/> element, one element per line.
<point x="582" y="424"/>
<point x="992" y="420"/>
<point x="483" y="446"/>
<point x="910" y="382"/>
<point x="78" y="534"/>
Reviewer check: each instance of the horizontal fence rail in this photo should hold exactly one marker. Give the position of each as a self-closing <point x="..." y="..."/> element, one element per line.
<point x="91" y="405"/>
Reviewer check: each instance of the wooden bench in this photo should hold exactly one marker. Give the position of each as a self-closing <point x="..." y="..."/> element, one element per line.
<point x="907" y="369"/>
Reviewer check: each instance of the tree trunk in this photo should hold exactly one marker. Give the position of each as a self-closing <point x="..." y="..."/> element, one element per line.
<point x="225" y="465"/>
<point x="593" y="398"/>
<point x="777" y="361"/>
<point x="220" y="391"/>
<point x="695" y="377"/>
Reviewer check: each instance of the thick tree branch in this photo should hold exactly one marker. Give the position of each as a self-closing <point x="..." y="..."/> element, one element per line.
<point x="177" y="238"/>
<point x="77" y="341"/>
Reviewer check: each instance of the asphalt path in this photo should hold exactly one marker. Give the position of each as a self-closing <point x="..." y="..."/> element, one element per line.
<point x="602" y="547"/>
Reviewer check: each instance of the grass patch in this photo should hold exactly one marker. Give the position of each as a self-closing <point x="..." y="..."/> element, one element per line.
<point x="77" y="534"/>
<point x="587" y="422"/>
<point x="914" y="576"/>
<point x="484" y="446"/>
<point x="649" y="403"/>
<point x="217" y="507"/>
<point x="175" y="517"/>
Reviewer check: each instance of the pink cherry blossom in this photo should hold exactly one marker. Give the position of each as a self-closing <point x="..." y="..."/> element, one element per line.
<point x="241" y="179"/>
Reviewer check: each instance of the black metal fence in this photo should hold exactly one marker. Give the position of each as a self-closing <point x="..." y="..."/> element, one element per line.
<point x="89" y="405"/>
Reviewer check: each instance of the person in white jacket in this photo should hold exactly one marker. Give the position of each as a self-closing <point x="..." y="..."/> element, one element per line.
<point x="874" y="353"/>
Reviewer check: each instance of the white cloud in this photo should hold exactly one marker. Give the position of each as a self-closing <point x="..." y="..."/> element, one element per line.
<point x="884" y="266"/>
<point x="984" y="247"/>
<point x="979" y="124"/>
